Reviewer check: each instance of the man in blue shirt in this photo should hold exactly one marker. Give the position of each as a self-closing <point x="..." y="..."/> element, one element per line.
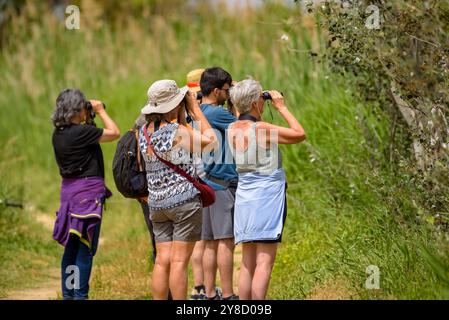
<point x="221" y="174"/>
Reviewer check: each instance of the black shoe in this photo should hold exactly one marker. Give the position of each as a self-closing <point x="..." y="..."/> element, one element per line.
<point x="218" y="292"/>
<point x="216" y="297"/>
<point x="231" y="297"/>
<point x="198" y="293"/>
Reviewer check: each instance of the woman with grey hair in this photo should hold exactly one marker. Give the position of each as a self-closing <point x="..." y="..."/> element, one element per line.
<point x="76" y="143"/>
<point x="260" y="202"/>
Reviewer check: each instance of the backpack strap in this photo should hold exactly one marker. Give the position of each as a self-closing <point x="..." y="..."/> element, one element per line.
<point x="139" y="160"/>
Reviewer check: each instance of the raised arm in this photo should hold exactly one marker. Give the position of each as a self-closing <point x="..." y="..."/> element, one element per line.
<point x="293" y="134"/>
<point x="110" y="132"/>
<point x="196" y="140"/>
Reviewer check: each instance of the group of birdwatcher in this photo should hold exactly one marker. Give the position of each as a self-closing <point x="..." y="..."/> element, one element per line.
<point x="213" y="180"/>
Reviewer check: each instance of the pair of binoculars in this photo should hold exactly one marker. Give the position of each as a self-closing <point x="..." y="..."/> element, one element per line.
<point x="90" y="109"/>
<point x="267" y="96"/>
<point x="199" y="95"/>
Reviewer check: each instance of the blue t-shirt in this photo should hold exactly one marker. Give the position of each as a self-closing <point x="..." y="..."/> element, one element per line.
<point x="219" y="166"/>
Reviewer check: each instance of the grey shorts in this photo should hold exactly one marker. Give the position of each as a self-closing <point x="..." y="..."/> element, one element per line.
<point x="181" y="223"/>
<point x="218" y="219"/>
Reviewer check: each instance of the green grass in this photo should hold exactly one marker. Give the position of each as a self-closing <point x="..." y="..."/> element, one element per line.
<point x="26" y="248"/>
<point x="27" y="251"/>
<point x="348" y="206"/>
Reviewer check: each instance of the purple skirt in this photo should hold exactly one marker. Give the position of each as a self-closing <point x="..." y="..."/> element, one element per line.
<point x="81" y="208"/>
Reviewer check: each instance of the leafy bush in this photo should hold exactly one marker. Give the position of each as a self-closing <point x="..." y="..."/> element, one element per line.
<point x="401" y="68"/>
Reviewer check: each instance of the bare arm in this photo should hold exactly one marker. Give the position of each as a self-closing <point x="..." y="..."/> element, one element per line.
<point x="196" y="140"/>
<point x="110" y="132"/>
<point x="192" y="140"/>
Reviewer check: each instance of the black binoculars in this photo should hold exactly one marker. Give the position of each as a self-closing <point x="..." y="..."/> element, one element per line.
<point x="199" y="95"/>
<point x="90" y="109"/>
<point x="267" y="96"/>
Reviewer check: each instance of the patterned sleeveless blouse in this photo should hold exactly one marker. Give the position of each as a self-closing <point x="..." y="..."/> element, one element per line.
<point x="167" y="189"/>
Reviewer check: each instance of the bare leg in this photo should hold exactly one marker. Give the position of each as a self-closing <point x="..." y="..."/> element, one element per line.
<point x="161" y="271"/>
<point x="197" y="263"/>
<point x="179" y="260"/>
<point x="266" y="253"/>
<point x="225" y="262"/>
<point x="210" y="266"/>
<point x="247" y="270"/>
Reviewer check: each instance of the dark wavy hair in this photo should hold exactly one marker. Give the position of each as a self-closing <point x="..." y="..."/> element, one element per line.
<point x="69" y="103"/>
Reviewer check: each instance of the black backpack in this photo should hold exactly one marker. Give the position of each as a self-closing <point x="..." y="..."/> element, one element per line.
<point x="128" y="167"/>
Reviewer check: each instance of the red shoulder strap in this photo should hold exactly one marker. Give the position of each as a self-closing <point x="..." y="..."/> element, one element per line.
<point x="175" y="168"/>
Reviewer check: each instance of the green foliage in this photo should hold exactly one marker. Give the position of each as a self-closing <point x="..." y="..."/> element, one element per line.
<point x="407" y="51"/>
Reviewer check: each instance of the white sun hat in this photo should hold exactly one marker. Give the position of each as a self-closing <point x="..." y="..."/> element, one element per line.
<point x="163" y="97"/>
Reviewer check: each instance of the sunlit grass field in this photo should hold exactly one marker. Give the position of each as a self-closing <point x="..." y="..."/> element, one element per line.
<point x="342" y="187"/>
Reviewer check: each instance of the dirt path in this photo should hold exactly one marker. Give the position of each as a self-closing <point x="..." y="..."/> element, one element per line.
<point x="46" y="291"/>
<point x="337" y="289"/>
<point x="51" y="287"/>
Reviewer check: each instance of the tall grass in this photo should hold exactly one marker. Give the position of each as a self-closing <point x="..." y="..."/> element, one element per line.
<point x="340" y="188"/>
<point x="341" y="218"/>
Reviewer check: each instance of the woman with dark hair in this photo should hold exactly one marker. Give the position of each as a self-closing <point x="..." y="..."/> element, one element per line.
<point x="175" y="206"/>
<point x="76" y="143"/>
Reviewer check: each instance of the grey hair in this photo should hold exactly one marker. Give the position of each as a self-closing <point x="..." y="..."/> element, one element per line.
<point x="69" y="103"/>
<point x="244" y="93"/>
